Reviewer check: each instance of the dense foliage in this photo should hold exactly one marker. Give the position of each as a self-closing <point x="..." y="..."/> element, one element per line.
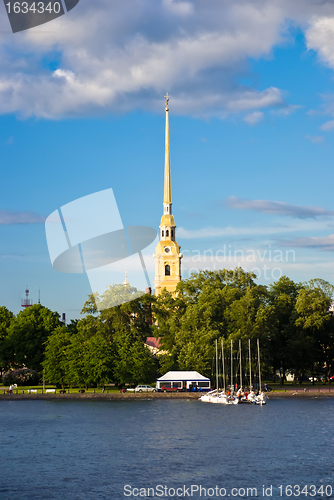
<point x="21" y="376"/>
<point x="107" y="345"/>
<point x="292" y="320"/>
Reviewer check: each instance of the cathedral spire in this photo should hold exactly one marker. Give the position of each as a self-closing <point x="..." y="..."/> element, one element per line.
<point x="167" y="255"/>
<point x="167" y="186"/>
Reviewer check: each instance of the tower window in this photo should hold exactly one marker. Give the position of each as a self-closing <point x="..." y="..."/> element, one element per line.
<point x="162" y="233"/>
<point x="172" y="233"/>
<point x="167" y="209"/>
<point x="167" y="270"/>
<point x="167" y="233"/>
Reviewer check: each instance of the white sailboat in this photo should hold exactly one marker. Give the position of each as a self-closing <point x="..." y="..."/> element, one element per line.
<point x="231" y="398"/>
<point x="217" y="396"/>
<point x="258" y="399"/>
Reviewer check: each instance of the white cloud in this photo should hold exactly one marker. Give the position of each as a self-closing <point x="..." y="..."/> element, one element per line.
<point x="178" y="8"/>
<point x="316" y="139"/>
<point x="287" y="110"/>
<point x="235" y="231"/>
<point x="14" y="217"/>
<point x="328" y="126"/>
<point x="320" y="37"/>
<point x="112" y="58"/>
<point x="321" y="243"/>
<point x="254" y="118"/>
<point x="115" y="58"/>
<point x="278" y="208"/>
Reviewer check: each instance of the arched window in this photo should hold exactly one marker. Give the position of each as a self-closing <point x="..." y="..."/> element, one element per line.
<point x="162" y="233"/>
<point x="167" y="233"/>
<point x="167" y="209"/>
<point x="172" y="233"/>
<point x="167" y="270"/>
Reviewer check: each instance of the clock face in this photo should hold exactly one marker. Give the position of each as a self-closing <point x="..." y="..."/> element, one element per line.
<point x="167" y="250"/>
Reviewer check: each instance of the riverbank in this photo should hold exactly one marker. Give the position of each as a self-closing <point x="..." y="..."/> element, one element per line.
<point x="112" y="396"/>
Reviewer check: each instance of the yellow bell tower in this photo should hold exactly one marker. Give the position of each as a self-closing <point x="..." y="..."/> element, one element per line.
<point x="167" y="255"/>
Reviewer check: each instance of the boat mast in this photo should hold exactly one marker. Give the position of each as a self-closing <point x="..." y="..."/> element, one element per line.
<point x="258" y="357"/>
<point x="223" y="365"/>
<point x="232" y="388"/>
<point x="250" y="366"/>
<point x="240" y="364"/>
<point x="216" y="366"/>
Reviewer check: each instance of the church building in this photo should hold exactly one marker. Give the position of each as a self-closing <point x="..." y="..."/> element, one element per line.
<point x="167" y="255"/>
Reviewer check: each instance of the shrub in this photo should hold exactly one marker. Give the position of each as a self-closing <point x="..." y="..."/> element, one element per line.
<point x="21" y="376"/>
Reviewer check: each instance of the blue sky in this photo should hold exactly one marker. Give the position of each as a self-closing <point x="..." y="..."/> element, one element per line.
<point x="251" y="131"/>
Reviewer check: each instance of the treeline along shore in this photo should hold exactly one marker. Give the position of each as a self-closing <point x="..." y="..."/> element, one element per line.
<point x="322" y="392"/>
<point x="294" y="323"/>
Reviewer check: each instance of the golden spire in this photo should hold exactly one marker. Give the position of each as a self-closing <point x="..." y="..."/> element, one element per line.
<point x="167" y="187"/>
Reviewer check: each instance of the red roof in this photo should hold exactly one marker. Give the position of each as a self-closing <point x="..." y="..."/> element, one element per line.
<point x="153" y="342"/>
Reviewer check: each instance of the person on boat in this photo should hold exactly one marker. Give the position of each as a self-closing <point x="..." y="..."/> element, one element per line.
<point x="246" y="394"/>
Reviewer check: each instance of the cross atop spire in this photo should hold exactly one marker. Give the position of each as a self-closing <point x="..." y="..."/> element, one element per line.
<point x="167" y="188"/>
<point x="167" y="100"/>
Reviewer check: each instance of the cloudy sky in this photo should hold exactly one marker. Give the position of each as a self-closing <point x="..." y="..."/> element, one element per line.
<point x="252" y="124"/>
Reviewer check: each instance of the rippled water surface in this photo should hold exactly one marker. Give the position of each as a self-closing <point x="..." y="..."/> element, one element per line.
<point x="91" y="449"/>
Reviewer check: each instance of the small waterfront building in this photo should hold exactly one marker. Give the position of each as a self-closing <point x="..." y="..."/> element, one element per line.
<point x="183" y="380"/>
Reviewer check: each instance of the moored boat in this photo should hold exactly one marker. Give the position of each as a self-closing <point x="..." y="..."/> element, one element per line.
<point x="222" y="397"/>
<point x="217" y="396"/>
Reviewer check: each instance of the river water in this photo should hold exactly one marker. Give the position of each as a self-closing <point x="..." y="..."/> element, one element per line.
<point x="90" y="450"/>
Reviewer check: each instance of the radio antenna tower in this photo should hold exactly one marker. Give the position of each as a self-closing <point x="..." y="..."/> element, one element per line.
<point x="27" y="302"/>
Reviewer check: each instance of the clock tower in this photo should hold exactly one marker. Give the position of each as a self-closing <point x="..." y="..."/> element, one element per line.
<point x="167" y="252"/>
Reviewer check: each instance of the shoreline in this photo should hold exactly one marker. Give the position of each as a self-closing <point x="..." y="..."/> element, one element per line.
<point x="285" y="393"/>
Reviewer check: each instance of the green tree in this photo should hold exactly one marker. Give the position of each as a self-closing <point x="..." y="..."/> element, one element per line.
<point x="313" y="342"/>
<point x="132" y="363"/>
<point x="79" y="358"/>
<point x="206" y="307"/>
<point x="116" y="295"/>
<point x="98" y="360"/>
<point x="127" y="326"/>
<point x="27" y="334"/>
<point x="124" y="329"/>
<point x="56" y="363"/>
<point x="276" y="321"/>
<point x="75" y="357"/>
<point x="6" y="318"/>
